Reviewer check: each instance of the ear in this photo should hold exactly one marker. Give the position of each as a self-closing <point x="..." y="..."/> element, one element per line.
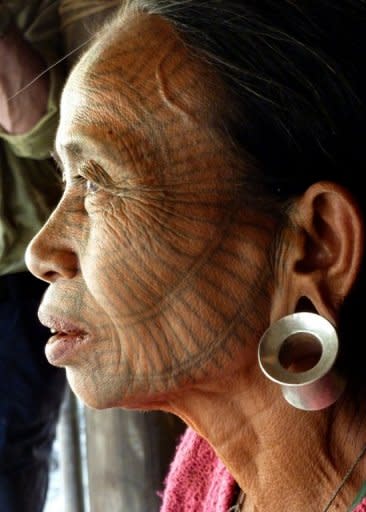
<point x="320" y="252"/>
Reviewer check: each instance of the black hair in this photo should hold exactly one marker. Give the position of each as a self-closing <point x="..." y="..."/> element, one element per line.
<point x="294" y="73"/>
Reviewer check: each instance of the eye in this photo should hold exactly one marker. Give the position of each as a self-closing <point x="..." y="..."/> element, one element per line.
<point x="91" y="187"/>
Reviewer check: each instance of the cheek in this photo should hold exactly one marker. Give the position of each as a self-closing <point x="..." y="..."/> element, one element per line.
<point x="141" y="251"/>
<point x="165" y="336"/>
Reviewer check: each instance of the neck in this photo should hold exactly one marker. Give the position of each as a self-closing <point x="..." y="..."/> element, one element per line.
<point x="283" y="458"/>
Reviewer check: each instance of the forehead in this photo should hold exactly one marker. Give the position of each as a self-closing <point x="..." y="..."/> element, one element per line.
<point x="137" y="80"/>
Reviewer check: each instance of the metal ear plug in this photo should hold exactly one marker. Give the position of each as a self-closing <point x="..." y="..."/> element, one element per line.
<point x="293" y="339"/>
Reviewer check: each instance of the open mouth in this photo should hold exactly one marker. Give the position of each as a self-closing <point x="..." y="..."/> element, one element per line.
<point x="61" y="327"/>
<point x="65" y="341"/>
<point x="73" y="334"/>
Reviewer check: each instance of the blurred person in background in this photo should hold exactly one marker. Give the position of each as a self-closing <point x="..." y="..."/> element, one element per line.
<point x="31" y="391"/>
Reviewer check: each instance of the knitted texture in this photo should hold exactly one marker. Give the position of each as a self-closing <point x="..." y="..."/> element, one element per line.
<point x="361" y="507"/>
<point x="197" y="481"/>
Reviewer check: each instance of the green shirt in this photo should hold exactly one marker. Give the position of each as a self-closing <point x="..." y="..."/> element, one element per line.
<point x="29" y="183"/>
<point x="360" y="496"/>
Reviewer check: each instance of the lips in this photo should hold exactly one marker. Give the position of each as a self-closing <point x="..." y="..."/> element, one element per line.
<point x="66" y="340"/>
<point x="71" y="336"/>
<point x="60" y="325"/>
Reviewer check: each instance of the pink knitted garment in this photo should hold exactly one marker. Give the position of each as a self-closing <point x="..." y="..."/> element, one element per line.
<point x="361" y="507"/>
<point x="199" y="482"/>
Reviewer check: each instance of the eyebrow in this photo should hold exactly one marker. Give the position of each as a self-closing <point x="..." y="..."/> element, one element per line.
<point x="72" y="148"/>
<point x="76" y="151"/>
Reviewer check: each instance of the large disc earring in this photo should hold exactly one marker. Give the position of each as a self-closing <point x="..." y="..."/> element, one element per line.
<point x="299" y="352"/>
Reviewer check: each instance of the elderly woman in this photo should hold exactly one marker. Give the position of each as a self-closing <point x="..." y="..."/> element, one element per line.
<point x="206" y="258"/>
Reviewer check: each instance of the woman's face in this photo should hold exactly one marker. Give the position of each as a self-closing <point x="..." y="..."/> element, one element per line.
<point x="158" y="273"/>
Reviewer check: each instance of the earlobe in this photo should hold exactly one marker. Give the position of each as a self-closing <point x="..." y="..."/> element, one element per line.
<point x="324" y="254"/>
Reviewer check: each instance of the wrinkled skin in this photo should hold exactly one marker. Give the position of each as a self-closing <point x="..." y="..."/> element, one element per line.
<point x="151" y="250"/>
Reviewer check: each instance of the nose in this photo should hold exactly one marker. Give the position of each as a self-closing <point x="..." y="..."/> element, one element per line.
<point x="49" y="257"/>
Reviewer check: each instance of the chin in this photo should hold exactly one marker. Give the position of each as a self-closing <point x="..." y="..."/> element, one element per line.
<point x="89" y="391"/>
<point x="97" y="393"/>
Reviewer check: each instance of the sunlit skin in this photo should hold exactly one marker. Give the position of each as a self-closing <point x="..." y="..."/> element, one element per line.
<point x="156" y="256"/>
<point x="162" y="256"/>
